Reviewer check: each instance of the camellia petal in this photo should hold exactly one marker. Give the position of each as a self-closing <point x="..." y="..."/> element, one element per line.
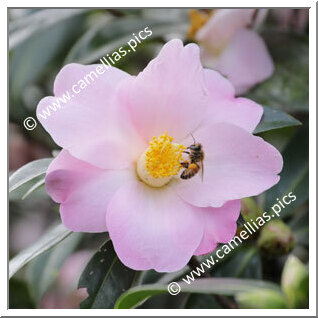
<point x="89" y="125"/>
<point x="219" y="225"/>
<point x="170" y="94"/>
<point x="223" y="25"/>
<point x="246" y="61"/>
<point x="236" y="165"/>
<point x="83" y="190"/>
<point x="225" y="108"/>
<point x="152" y="228"/>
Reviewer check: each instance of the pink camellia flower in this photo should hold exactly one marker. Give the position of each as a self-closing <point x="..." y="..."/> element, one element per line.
<point x="230" y="47"/>
<point x="123" y="139"/>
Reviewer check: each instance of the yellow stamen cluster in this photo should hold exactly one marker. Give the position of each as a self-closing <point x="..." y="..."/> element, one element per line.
<point x="197" y="20"/>
<point x="163" y="157"/>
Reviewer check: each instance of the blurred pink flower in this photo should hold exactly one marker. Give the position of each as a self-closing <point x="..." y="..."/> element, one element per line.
<point x="64" y="294"/>
<point x="110" y="178"/>
<point x="232" y="48"/>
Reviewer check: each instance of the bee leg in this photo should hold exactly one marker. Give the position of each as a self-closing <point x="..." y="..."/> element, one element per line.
<point x="187" y="152"/>
<point x="185" y="164"/>
<point x="185" y="175"/>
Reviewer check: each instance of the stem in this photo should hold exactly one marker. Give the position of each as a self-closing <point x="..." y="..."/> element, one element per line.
<point x="223" y="301"/>
<point x="137" y="278"/>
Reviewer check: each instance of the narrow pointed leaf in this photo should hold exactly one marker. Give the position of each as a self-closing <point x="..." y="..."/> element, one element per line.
<point x="105" y="278"/>
<point x="113" y="34"/>
<point x="295" y="174"/>
<point x="48" y="240"/>
<point x="28" y="172"/>
<point x="274" y="119"/>
<point x="222" y="286"/>
<point x="44" y="269"/>
<point x="34" y="187"/>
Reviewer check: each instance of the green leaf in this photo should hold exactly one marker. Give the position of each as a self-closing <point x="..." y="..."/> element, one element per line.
<point x="55" y="31"/>
<point x="34" y="187"/>
<point x="288" y="88"/>
<point x="274" y="119"/>
<point x="105" y="278"/>
<point x="19" y="295"/>
<point x="294" y="177"/>
<point x="44" y="269"/>
<point x="245" y="262"/>
<point x="112" y="34"/>
<point x="244" y="259"/>
<point x="23" y="29"/>
<point x="28" y="172"/>
<point x="48" y="240"/>
<point x="222" y="286"/>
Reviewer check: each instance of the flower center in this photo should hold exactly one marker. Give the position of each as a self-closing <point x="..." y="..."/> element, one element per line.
<point x="197" y="20"/>
<point x="160" y="161"/>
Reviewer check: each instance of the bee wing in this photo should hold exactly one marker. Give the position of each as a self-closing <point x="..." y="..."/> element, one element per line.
<point x="202" y="170"/>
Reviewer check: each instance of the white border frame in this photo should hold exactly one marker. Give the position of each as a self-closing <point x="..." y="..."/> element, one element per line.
<point x="312" y="162"/>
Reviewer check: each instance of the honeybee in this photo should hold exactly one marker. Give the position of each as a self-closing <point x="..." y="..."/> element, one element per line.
<point x="195" y="162"/>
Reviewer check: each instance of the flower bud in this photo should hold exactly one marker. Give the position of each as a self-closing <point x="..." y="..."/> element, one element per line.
<point x="261" y="299"/>
<point x="250" y="209"/>
<point x="276" y="238"/>
<point x="295" y="283"/>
